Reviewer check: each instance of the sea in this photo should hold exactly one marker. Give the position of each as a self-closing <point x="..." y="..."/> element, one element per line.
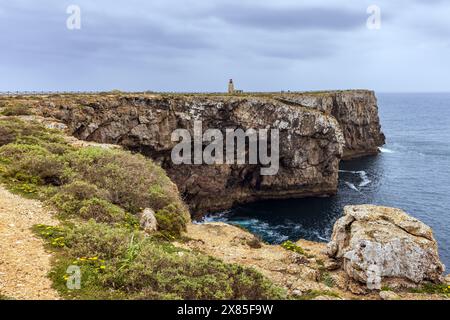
<point x="412" y="172"/>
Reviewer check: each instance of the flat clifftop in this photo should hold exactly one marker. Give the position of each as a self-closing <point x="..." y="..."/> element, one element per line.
<point x="168" y="93"/>
<point x="317" y="130"/>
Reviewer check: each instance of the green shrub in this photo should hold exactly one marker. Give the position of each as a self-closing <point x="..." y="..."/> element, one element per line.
<point x="30" y="163"/>
<point x="82" y="190"/>
<point x="30" y="132"/>
<point x="433" y="288"/>
<point x="289" y="245"/>
<point x="133" y="183"/>
<point x="33" y="158"/>
<point x="101" y="211"/>
<point x="54" y="234"/>
<point x="145" y="269"/>
<point x="69" y="199"/>
<point x="327" y="279"/>
<point x="16" y="110"/>
<point x="97" y="239"/>
<point x="170" y="221"/>
<point x="130" y="178"/>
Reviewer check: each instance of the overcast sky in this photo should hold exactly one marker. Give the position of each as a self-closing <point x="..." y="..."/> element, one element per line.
<point x="197" y="45"/>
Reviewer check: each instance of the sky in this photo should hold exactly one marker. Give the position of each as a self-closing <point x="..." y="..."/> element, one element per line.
<point x="197" y="45"/>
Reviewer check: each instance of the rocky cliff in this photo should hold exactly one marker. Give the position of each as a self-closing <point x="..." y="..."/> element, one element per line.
<point x="357" y="114"/>
<point x="316" y="131"/>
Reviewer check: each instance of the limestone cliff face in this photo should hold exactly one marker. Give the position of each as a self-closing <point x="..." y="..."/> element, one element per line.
<point x="357" y="113"/>
<point x="316" y="130"/>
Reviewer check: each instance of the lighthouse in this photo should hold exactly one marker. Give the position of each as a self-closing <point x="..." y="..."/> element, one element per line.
<point x="231" y="86"/>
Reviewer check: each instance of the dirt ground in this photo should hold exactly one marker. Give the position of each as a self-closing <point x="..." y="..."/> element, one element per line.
<point x="24" y="263"/>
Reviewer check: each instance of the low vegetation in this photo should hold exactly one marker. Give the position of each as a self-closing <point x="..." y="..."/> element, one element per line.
<point x="14" y="109"/>
<point x="123" y="263"/>
<point x="432" y="288"/>
<point x="291" y="246"/>
<point x="312" y="294"/>
<point x="107" y="185"/>
<point x="327" y="279"/>
<point x="97" y="194"/>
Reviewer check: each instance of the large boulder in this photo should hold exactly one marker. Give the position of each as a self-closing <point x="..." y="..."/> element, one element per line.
<point x="384" y="245"/>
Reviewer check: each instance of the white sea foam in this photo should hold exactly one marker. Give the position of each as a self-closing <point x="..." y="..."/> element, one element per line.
<point x="253" y="225"/>
<point x="365" y="181"/>
<point x="264" y="229"/>
<point x="385" y="150"/>
<point x="217" y="217"/>
<point x="351" y="186"/>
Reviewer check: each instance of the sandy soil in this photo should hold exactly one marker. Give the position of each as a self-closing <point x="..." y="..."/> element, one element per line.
<point x="24" y="263"/>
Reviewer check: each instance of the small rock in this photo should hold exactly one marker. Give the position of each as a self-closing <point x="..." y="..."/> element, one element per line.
<point x="309" y="274"/>
<point x="331" y="265"/>
<point x="332" y="249"/>
<point x="447" y="279"/>
<point x="148" y="221"/>
<point x="254" y="243"/>
<point x="297" y="292"/>
<point x="300" y="260"/>
<point x="356" y="288"/>
<point x="143" y="120"/>
<point x="389" y="295"/>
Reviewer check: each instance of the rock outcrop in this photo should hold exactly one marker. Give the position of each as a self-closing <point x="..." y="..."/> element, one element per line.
<point x="148" y="221"/>
<point x="305" y="270"/>
<point x="316" y="131"/>
<point x="379" y="245"/>
<point x="357" y="113"/>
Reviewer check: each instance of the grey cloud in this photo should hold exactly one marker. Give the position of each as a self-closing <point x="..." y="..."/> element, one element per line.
<point x="291" y="18"/>
<point x="192" y="44"/>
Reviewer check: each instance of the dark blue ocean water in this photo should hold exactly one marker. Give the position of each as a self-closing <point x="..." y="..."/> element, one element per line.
<point x="412" y="173"/>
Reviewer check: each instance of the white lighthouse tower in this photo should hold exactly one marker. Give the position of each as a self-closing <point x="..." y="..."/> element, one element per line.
<point x="231" y="86"/>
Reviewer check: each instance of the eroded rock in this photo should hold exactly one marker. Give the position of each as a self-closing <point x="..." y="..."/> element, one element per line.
<point x="379" y="244"/>
<point x="148" y="220"/>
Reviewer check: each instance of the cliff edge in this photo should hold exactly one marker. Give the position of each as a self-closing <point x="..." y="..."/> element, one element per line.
<point x="316" y="131"/>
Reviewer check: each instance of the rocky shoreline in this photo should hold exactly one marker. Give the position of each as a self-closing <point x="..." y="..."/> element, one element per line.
<point x="375" y="253"/>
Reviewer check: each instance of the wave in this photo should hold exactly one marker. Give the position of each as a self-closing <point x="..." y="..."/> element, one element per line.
<point x="272" y="233"/>
<point x="352" y="186"/>
<point x="216" y="217"/>
<point x="263" y="229"/>
<point x="365" y="181"/>
<point x="385" y="150"/>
